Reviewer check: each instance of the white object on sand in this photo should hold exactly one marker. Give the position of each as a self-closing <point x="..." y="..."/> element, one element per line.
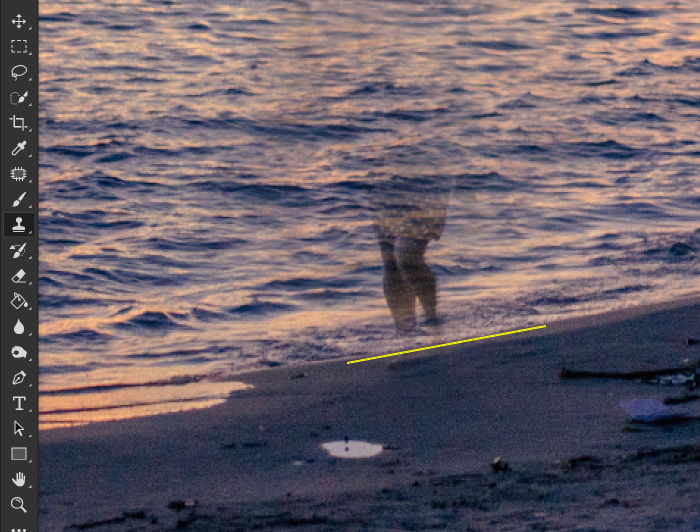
<point x="352" y="449"/>
<point x="650" y="410"/>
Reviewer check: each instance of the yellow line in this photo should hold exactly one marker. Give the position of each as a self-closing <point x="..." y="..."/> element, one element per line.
<point x="444" y="345"/>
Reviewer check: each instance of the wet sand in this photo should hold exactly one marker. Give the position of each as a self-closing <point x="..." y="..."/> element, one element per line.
<point x="256" y="462"/>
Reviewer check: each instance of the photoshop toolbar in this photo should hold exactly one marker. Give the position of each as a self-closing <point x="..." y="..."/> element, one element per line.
<point x="19" y="189"/>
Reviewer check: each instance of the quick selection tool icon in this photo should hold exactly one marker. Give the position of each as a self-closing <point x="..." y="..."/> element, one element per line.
<point x="17" y="98"/>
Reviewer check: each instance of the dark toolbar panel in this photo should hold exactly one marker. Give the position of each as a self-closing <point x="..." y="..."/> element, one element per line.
<point x="19" y="320"/>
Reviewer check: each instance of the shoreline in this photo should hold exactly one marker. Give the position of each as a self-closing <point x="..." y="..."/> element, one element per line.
<point x="439" y="413"/>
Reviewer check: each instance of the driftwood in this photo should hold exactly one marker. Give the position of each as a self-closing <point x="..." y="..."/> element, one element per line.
<point x="682" y="399"/>
<point x="628" y="375"/>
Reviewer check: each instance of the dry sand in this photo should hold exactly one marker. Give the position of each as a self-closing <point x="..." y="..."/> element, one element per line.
<point x="255" y="462"/>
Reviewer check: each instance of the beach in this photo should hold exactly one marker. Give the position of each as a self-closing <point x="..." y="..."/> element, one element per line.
<point x="570" y="457"/>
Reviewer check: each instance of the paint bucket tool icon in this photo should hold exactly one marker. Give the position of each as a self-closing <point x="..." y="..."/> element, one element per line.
<point x="18" y="301"/>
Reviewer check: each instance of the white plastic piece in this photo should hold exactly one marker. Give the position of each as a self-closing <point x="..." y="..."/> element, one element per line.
<point x="352" y="449"/>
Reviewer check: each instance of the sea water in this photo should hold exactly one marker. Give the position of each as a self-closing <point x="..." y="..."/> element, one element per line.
<point x="207" y="166"/>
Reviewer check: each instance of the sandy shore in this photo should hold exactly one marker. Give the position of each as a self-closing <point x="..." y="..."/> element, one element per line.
<point x="255" y="462"/>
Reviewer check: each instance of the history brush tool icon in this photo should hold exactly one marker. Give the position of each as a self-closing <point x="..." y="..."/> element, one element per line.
<point x="20" y="147"/>
<point x="18" y="250"/>
<point x="19" y="302"/>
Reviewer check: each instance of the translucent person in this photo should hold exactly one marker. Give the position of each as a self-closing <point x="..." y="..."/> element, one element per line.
<point x="408" y="215"/>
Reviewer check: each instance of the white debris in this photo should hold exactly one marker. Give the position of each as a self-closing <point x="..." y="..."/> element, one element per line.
<point x="352" y="449"/>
